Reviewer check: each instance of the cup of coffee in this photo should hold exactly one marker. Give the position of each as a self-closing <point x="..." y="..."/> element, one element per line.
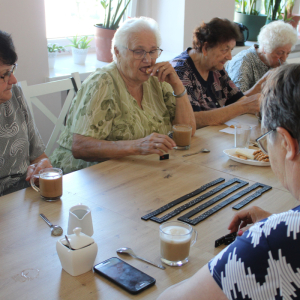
<point x="176" y="239"/>
<point x="182" y="136"/>
<point x="50" y="183"/>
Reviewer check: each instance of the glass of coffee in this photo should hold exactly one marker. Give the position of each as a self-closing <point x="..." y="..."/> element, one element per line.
<point x="50" y="183"/>
<point x="182" y="136"/>
<point x="176" y="239"/>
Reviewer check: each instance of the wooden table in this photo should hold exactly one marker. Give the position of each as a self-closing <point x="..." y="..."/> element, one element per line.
<point x="119" y="193"/>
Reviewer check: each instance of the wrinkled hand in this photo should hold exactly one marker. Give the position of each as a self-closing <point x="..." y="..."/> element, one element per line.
<point x="252" y="103"/>
<point x="245" y="217"/>
<point x="165" y="72"/>
<point x="155" y="143"/>
<point x="35" y="168"/>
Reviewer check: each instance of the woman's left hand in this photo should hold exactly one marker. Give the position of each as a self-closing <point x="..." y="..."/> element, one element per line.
<point x="165" y="72"/>
<point x="36" y="167"/>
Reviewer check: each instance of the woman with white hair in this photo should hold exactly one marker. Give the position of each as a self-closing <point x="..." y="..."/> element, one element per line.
<point x="249" y="68"/>
<point x="127" y="107"/>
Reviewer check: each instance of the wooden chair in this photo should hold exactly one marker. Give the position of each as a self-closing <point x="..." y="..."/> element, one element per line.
<point x="71" y="85"/>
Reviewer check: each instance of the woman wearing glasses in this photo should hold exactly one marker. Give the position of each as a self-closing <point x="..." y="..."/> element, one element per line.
<point x="127" y="107"/>
<point x="21" y="147"/>
<point x="263" y="262"/>
<point x="213" y="95"/>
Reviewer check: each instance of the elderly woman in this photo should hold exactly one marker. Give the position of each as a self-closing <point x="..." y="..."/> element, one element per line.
<point x="249" y="68"/>
<point x="21" y="147"/>
<point x="263" y="262"/>
<point x="127" y="107"/>
<point x="214" y="97"/>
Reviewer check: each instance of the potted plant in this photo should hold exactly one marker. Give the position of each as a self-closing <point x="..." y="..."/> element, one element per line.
<point x="247" y="14"/>
<point x="105" y="31"/>
<point x="289" y="16"/>
<point x="53" y="49"/>
<point x="80" y="47"/>
<point x="273" y="10"/>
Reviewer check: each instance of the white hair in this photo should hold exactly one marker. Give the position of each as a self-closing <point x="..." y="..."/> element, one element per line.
<point x="130" y="27"/>
<point x="276" y="34"/>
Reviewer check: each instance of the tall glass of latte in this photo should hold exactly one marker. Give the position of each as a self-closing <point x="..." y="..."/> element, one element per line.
<point x="176" y="239"/>
<point x="50" y="183"/>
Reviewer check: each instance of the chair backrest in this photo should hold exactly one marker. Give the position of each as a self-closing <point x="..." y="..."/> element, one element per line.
<point x="71" y="85"/>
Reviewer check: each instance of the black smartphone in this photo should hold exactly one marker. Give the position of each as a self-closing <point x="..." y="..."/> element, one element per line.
<point x="124" y="275"/>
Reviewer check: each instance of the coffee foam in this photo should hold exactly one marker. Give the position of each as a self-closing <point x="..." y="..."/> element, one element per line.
<point x="175" y="234"/>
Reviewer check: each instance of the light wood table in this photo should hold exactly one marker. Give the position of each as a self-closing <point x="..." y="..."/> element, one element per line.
<point x="119" y="193"/>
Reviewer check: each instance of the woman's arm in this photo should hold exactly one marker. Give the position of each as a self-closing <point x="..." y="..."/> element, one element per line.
<point x="91" y="149"/>
<point x="221" y="115"/>
<point x="184" y="112"/>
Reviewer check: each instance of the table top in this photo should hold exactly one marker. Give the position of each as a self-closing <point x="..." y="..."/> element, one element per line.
<point x="119" y="193"/>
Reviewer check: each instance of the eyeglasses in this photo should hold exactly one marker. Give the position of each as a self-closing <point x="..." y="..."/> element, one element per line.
<point x="7" y="75"/>
<point x="140" y="54"/>
<point x="262" y="141"/>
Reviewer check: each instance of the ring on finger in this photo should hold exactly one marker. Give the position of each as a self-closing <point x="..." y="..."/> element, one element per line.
<point x="156" y="146"/>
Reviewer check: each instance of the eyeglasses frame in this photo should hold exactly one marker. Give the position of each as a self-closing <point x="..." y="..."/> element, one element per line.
<point x="261" y="147"/>
<point x="145" y="53"/>
<point x="8" y="73"/>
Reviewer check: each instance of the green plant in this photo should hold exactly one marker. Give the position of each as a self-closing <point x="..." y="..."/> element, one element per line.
<point x="55" y="48"/>
<point x="273" y="9"/>
<point x="112" y="19"/>
<point x="248" y="8"/>
<point x="79" y="42"/>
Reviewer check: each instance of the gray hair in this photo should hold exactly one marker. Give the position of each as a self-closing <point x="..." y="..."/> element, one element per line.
<point x="276" y="34"/>
<point x="281" y="100"/>
<point x="130" y="27"/>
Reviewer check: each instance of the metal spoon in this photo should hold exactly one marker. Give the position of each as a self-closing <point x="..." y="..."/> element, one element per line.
<point x="203" y="150"/>
<point x="55" y="229"/>
<point x="130" y="252"/>
<point x="69" y="244"/>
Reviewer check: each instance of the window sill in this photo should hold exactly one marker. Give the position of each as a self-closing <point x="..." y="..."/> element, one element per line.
<point x="64" y="65"/>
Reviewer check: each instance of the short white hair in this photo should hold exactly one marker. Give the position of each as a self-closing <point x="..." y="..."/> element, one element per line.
<point x="132" y="26"/>
<point x="276" y="34"/>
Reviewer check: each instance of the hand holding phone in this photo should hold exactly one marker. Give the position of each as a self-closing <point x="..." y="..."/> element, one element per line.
<point x="124" y="275"/>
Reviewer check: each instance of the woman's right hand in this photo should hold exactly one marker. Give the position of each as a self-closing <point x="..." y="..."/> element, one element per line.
<point x="245" y="217"/>
<point x="154" y="143"/>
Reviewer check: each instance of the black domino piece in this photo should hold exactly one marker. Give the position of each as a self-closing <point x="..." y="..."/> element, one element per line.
<point x="183" y="198"/>
<point x="203" y="197"/>
<point x="186" y="217"/>
<point x="252" y="197"/>
<point x="219" y="241"/>
<point x="226" y="239"/>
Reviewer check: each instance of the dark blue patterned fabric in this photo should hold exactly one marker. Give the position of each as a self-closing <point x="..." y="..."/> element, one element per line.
<point x="264" y="263"/>
<point x="217" y="91"/>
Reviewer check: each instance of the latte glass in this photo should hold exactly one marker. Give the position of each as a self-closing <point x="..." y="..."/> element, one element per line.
<point x="176" y="239"/>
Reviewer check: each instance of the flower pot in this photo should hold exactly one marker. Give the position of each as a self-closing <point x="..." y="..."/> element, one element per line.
<point x="103" y="38"/>
<point x="295" y="18"/>
<point x="253" y="23"/>
<point x="51" y="59"/>
<point x="79" y="55"/>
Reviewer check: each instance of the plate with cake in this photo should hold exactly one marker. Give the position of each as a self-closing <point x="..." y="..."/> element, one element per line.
<point x="248" y="156"/>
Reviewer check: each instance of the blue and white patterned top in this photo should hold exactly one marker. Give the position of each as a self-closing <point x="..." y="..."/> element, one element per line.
<point x="264" y="263"/>
<point x="218" y="90"/>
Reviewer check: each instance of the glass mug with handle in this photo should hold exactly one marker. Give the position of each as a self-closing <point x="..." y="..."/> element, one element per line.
<point x="50" y="184"/>
<point x="176" y="239"/>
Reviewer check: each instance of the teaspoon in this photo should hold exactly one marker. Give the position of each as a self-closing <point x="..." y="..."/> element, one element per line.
<point x="55" y="229"/>
<point x="130" y="252"/>
<point x="203" y="150"/>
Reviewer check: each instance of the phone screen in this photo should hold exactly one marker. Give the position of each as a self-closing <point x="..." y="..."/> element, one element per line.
<point x="124" y="275"/>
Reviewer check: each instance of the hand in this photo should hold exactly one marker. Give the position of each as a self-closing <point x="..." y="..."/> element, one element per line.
<point x="165" y="72"/>
<point x="35" y="168"/>
<point x="155" y="144"/>
<point x="251" y="103"/>
<point x="245" y="217"/>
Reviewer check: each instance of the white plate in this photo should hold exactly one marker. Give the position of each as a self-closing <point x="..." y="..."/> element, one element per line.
<point x="230" y="152"/>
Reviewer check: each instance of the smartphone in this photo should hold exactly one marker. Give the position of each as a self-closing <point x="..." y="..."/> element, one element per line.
<point x="124" y="275"/>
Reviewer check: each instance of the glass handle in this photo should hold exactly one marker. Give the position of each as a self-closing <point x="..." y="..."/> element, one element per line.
<point x="195" y="237"/>
<point x="32" y="183"/>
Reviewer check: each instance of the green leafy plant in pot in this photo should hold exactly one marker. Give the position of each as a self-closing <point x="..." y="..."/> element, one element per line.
<point x="247" y="14"/>
<point x="273" y="9"/>
<point x="289" y="16"/>
<point x="53" y="49"/>
<point x="80" y="47"/>
<point x="106" y="30"/>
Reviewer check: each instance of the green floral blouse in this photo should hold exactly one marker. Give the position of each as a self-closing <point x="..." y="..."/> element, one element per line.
<point x="105" y="110"/>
